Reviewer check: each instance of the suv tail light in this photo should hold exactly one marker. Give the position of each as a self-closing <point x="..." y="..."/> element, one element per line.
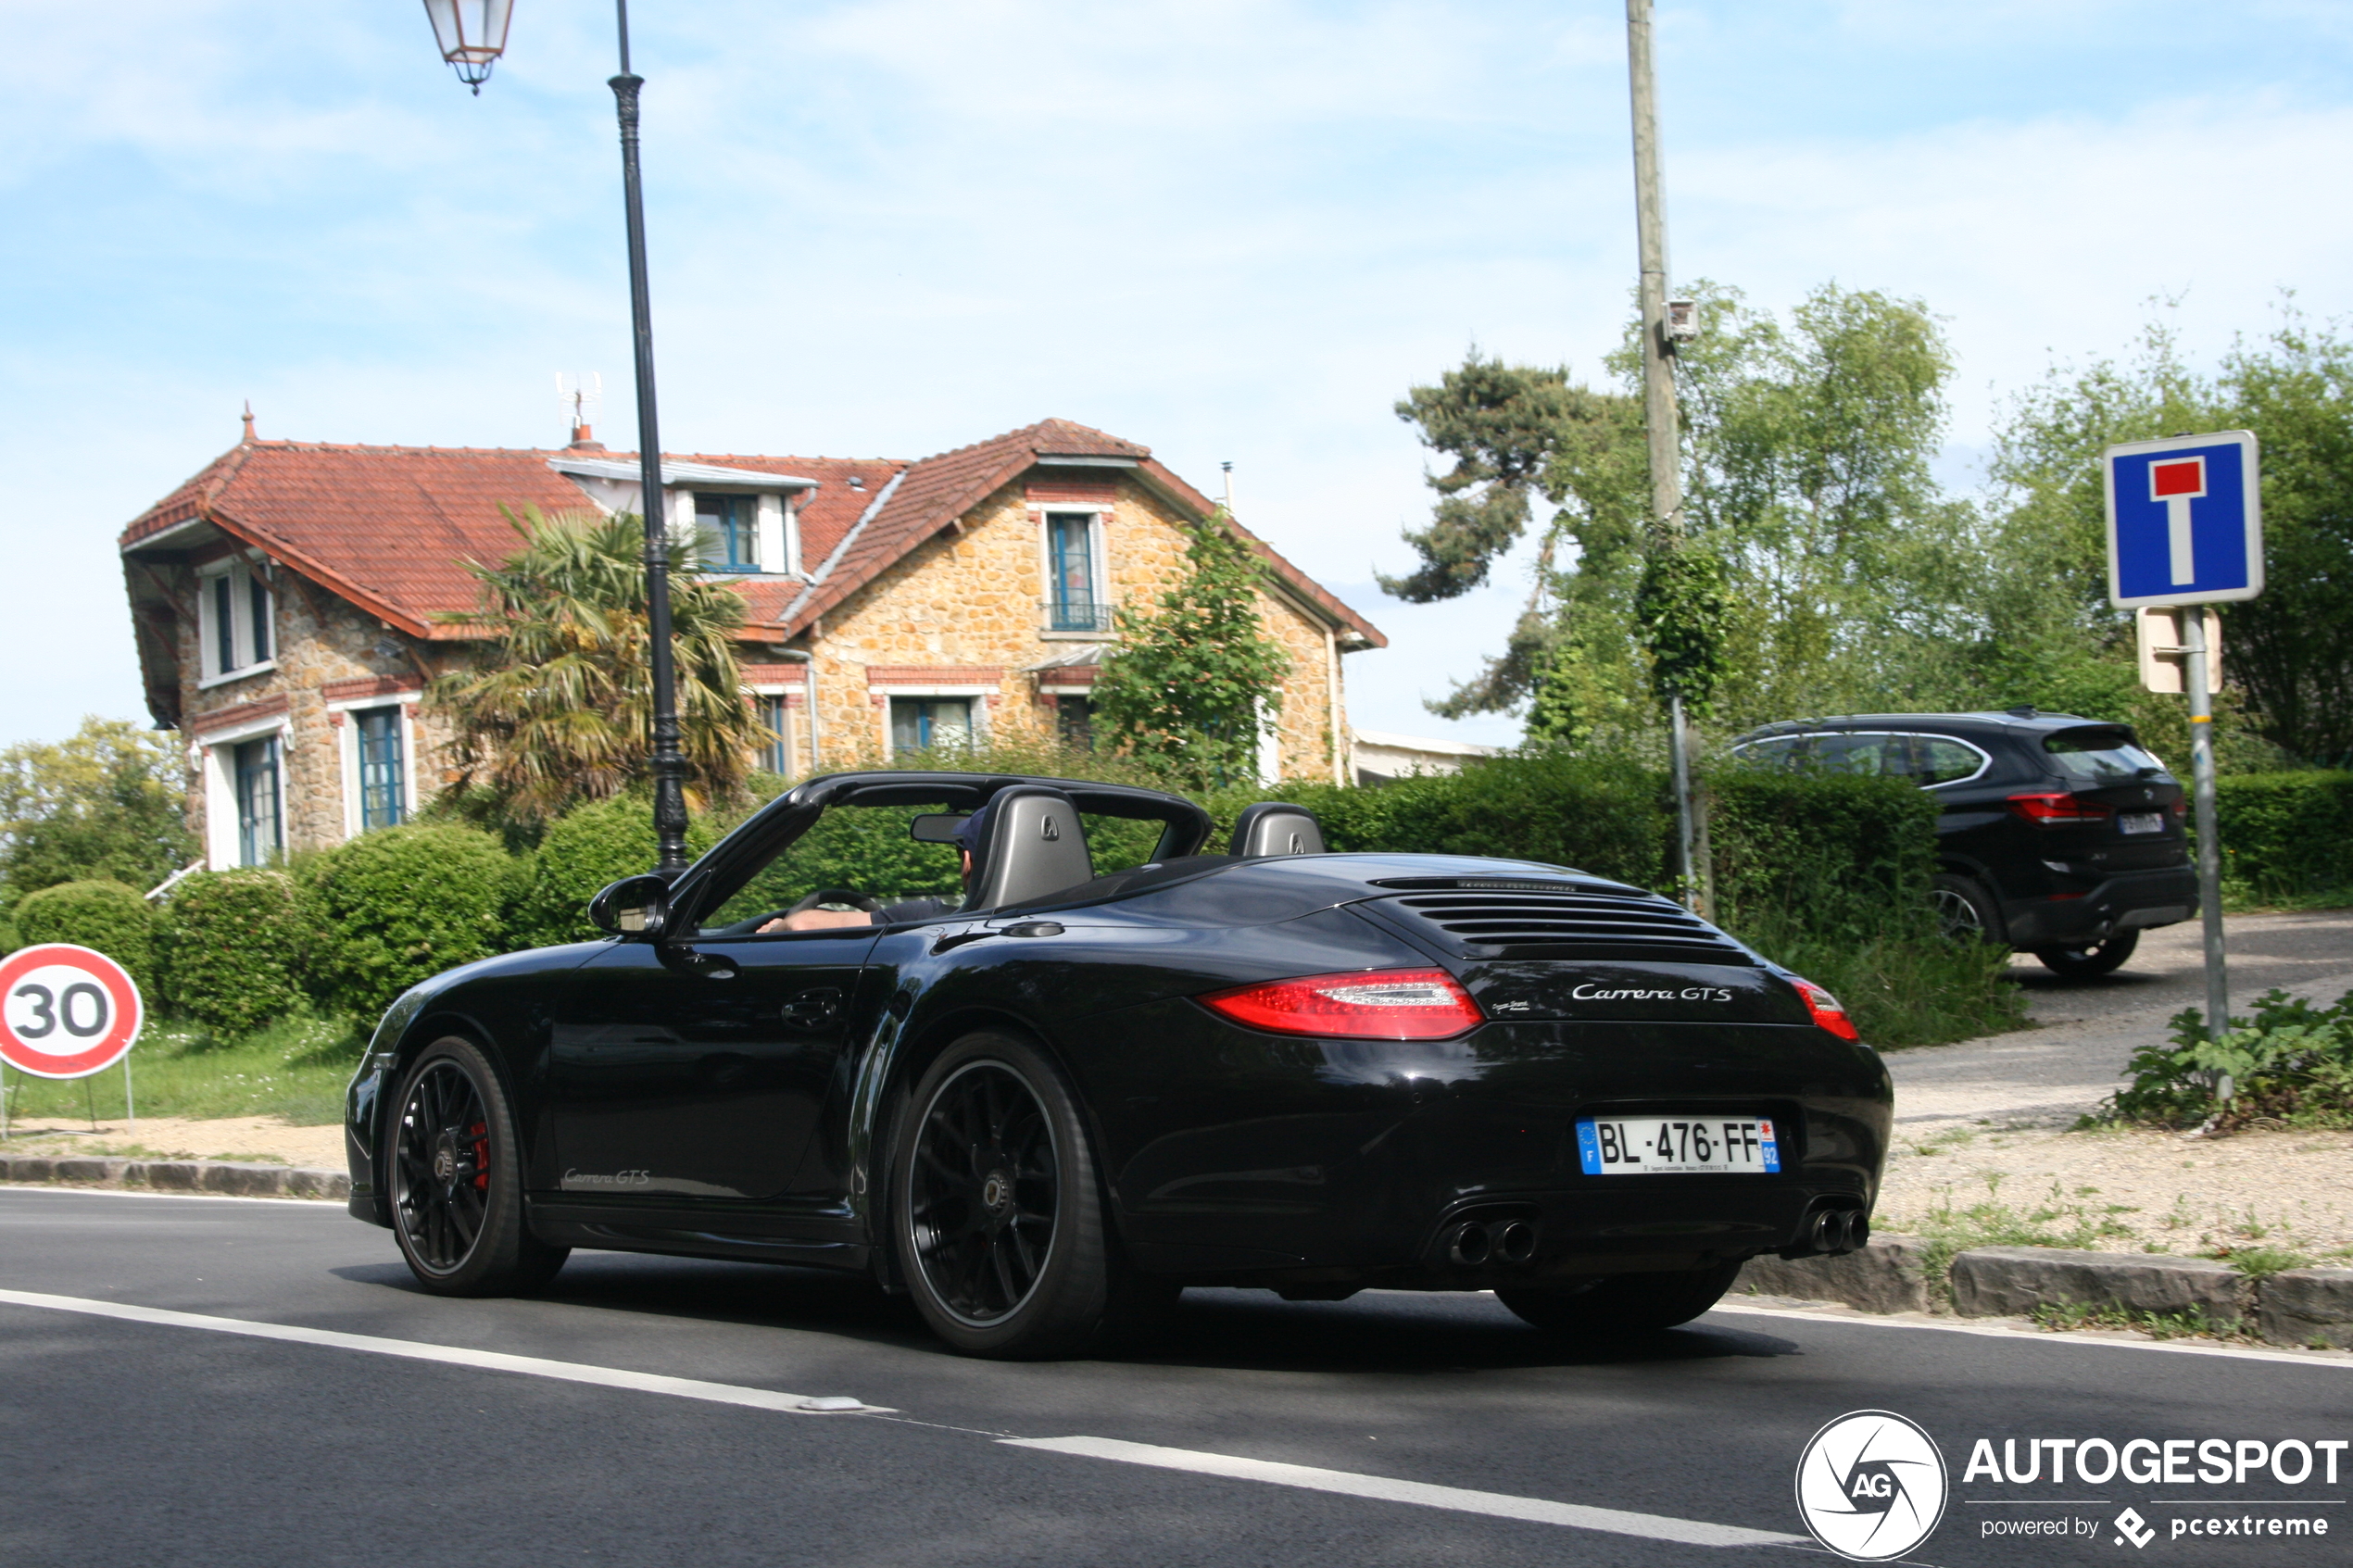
<point x="1383" y="1004"/>
<point x="2059" y="808"/>
<point x="1828" y="1013"/>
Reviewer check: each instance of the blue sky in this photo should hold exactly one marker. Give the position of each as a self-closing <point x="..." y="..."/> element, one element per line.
<point x="1230" y="229"/>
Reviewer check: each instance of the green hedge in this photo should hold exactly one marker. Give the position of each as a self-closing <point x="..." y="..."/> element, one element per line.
<point x="231" y="945"/>
<point x="2286" y="834"/>
<point x="1831" y="854"/>
<point x="398" y="905"/>
<point x="107" y="916"/>
<point x="589" y="847"/>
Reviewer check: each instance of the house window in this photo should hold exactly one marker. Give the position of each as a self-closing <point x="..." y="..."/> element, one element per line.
<point x="256" y="773"/>
<point x="1074" y="722"/>
<point x="384" y="787"/>
<point x="733" y="523"/>
<point x="235" y="607"/>
<point x="776" y="756"/>
<point x="1071" y="604"/>
<point x="924" y="723"/>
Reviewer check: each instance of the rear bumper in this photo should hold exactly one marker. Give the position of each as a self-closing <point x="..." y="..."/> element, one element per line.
<point x="2134" y="901"/>
<point x="1352" y="1162"/>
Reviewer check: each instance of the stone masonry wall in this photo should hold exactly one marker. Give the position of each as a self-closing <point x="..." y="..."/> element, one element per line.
<point x="972" y="600"/>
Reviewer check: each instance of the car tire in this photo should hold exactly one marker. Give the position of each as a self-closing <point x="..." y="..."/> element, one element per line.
<point x="1623" y="1303"/>
<point x="454" y="1179"/>
<point x="2086" y="960"/>
<point x="1965" y="910"/>
<point x="997" y="1211"/>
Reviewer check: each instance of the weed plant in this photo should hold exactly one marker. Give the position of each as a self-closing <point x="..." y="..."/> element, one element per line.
<point x="2290" y="1063"/>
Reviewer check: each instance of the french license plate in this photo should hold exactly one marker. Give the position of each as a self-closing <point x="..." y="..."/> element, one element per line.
<point x="1663" y="1145"/>
<point x="2141" y="822"/>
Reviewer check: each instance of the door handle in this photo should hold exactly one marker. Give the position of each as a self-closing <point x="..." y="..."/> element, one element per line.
<point x="812" y="1008"/>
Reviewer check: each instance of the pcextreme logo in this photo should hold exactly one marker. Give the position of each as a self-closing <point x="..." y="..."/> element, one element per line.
<point x="1871" y="1486"/>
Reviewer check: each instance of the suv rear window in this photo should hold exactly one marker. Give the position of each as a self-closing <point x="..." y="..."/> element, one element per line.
<point x="2103" y="756"/>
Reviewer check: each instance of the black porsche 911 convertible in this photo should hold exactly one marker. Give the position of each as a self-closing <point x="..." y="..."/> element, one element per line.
<point x="1096" y="1065"/>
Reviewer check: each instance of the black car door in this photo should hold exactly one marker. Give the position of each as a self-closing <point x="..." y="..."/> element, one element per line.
<point x="700" y="1072"/>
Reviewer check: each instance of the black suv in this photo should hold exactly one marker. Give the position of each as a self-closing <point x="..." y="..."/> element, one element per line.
<point x="2060" y="836"/>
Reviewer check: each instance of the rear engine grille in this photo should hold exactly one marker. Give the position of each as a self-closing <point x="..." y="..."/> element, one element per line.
<point x="1568" y="925"/>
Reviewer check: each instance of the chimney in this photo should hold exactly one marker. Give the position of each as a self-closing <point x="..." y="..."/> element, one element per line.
<point x="584" y="440"/>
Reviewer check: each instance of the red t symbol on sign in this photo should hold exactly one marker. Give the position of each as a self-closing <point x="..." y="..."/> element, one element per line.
<point x="2177" y="483"/>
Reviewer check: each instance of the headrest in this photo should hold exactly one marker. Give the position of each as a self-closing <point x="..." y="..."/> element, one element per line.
<point x="1277" y="827"/>
<point x="1032" y="846"/>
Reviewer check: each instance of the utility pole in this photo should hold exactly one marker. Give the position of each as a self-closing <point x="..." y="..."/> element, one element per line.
<point x="1660" y="420"/>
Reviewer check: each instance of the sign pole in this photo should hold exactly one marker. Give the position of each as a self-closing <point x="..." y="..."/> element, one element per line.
<point x="130" y="1112"/>
<point x="2209" y="842"/>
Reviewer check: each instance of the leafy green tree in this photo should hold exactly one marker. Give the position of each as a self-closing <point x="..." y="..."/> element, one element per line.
<point x="560" y="708"/>
<point x="1815" y="545"/>
<point x="1194" y="686"/>
<point x="105" y="805"/>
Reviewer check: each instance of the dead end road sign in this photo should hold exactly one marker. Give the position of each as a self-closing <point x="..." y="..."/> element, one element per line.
<point x="2185" y="521"/>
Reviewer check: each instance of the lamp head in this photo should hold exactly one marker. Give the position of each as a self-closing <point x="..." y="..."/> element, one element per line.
<point x="471" y="34"/>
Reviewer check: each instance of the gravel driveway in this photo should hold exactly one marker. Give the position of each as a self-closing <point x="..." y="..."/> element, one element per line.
<point x="1985" y="1121"/>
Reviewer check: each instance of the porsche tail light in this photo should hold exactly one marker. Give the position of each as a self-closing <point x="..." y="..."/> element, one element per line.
<point x="1827" y="1010"/>
<point x="1382" y="1004"/>
<point x="2058" y="807"/>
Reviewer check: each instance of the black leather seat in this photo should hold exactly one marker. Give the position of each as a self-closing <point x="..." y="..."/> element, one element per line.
<point x="1034" y="846"/>
<point x="1277" y="827"/>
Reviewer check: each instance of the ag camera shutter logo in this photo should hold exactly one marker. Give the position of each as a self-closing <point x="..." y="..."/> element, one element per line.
<point x="1871" y="1486"/>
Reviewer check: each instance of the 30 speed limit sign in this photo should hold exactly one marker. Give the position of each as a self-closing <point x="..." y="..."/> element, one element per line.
<point x="65" y="1012"/>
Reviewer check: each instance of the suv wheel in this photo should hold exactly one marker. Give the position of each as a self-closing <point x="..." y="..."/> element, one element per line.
<point x="1965" y="911"/>
<point x="2085" y="959"/>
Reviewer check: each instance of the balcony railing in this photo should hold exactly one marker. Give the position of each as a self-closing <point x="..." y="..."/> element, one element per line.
<point x="1076" y="616"/>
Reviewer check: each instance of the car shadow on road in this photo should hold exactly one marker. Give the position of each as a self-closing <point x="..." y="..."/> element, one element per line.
<point x="1388" y="1332"/>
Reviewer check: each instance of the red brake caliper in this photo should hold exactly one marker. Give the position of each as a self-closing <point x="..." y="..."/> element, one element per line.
<point x="480" y="1133"/>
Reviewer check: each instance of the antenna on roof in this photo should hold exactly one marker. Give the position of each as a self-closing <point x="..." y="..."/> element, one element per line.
<point x="247" y="439"/>
<point x="1228" y="502"/>
<point x="581" y="394"/>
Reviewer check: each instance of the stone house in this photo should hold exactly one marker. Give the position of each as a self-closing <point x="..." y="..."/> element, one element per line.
<point x="289" y="604"/>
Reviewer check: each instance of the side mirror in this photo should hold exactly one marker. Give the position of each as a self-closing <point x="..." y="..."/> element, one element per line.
<point x="635" y="907"/>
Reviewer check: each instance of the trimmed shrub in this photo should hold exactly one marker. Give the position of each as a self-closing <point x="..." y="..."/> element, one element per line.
<point x="395" y="905"/>
<point x="107" y="916"/>
<point x="230" y="946"/>
<point x="582" y="851"/>
<point x="2286" y="834"/>
<point x="1834" y="854"/>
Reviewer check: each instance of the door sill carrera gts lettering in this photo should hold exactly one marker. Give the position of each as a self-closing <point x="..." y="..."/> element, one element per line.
<point x="1259" y="1063"/>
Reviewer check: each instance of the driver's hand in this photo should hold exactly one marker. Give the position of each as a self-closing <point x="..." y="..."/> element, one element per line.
<point x="817" y="920"/>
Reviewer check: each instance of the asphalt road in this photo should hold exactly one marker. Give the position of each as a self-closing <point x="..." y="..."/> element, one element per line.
<point x="2086" y="1030"/>
<point x="155" y="1444"/>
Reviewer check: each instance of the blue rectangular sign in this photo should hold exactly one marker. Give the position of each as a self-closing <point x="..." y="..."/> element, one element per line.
<point x="2185" y="520"/>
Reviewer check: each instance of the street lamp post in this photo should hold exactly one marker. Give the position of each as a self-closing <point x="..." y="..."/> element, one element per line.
<point x="473" y="35"/>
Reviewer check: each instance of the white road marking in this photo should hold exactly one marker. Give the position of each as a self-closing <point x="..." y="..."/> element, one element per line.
<point x="2005" y="1331"/>
<point x="1383" y="1488"/>
<point x="453" y="1355"/>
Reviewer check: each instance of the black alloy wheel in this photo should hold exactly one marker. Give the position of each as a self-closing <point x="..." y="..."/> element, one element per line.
<point x="998" y="1220"/>
<point x="1965" y="910"/>
<point x="1623" y="1303"/>
<point x="2087" y="961"/>
<point x="455" y="1181"/>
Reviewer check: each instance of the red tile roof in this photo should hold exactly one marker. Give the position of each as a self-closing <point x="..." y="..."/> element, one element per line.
<point x="390" y="528"/>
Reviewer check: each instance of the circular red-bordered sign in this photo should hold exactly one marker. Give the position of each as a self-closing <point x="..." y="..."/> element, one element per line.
<point x="65" y="1012"/>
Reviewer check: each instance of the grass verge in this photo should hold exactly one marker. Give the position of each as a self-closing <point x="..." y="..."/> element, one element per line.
<point x="295" y="1068"/>
<point x="1903" y="989"/>
<point x="2059" y="1316"/>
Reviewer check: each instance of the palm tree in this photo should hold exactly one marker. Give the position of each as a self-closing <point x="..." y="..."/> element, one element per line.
<point x="559" y="707"/>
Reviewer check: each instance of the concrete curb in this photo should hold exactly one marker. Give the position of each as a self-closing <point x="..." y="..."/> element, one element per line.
<point x="227" y="1178"/>
<point x="2300" y="1307"/>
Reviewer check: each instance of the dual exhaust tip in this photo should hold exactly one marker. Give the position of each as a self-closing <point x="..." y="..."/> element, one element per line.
<point x="1475" y="1243"/>
<point x="1835" y="1231"/>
